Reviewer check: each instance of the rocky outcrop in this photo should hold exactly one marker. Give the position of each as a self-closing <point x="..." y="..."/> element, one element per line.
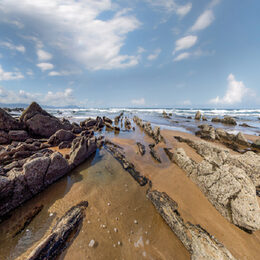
<point x="117" y="153"/>
<point x="118" y="118"/>
<point x="226" y="120"/>
<point x="154" y="153"/>
<point x="40" y="123"/>
<point x="61" y="136"/>
<point x="61" y="235"/>
<point x="146" y="126"/>
<point x="200" y="244"/>
<point x="141" y="148"/>
<point x="93" y="124"/>
<point x="128" y="125"/>
<point x="228" y="181"/>
<point x="81" y="149"/>
<point x="7" y="122"/>
<point x="256" y="144"/>
<point x="198" y="115"/>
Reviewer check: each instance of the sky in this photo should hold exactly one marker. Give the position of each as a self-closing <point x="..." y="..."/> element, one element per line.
<point x="138" y="53"/>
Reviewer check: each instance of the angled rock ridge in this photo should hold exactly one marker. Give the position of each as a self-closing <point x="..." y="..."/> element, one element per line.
<point x="228" y="181"/>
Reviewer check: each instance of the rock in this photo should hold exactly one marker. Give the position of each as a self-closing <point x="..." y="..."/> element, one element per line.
<point x="60" y="237"/>
<point x="76" y="129"/>
<point x="4" y="137"/>
<point x="7" y="122"/>
<point x="204" y="118"/>
<point x="117" y="118"/>
<point x="240" y="138"/>
<point x="115" y="151"/>
<point x="199" y="243"/>
<point x="81" y="149"/>
<point x="58" y="167"/>
<point x="229" y="120"/>
<point x="108" y="120"/>
<point x="40" y="123"/>
<point x="225" y="180"/>
<point x="164" y="114"/>
<point x="256" y="144"/>
<point x="141" y="148"/>
<point x="154" y="154"/>
<point x="92" y="243"/>
<point x="18" y="135"/>
<point x="207" y="132"/>
<point x="61" y="136"/>
<point x="34" y="172"/>
<point x="127" y="124"/>
<point x="198" y="115"/>
<point x="245" y="125"/>
<point x="168" y="153"/>
<point x="216" y="120"/>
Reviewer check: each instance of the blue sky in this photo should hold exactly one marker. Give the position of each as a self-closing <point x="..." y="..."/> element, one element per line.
<point x="146" y="53"/>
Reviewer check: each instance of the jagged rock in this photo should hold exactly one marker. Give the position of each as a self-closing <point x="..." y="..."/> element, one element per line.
<point x="61" y="136"/>
<point x="7" y="122"/>
<point x="198" y="115"/>
<point x="4" y="137"/>
<point x="60" y="237"/>
<point x="18" y="135"/>
<point x="127" y="124"/>
<point x="108" y="120"/>
<point x="245" y="125"/>
<point x="225" y="182"/>
<point x="57" y="168"/>
<point x="256" y="144"/>
<point x="141" y="148"/>
<point x="117" y="118"/>
<point x="226" y="120"/>
<point x="154" y="154"/>
<point x="204" y="118"/>
<point x="40" y="123"/>
<point x="240" y="138"/>
<point x="200" y="244"/>
<point x="168" y="153"/>
<point x="207" y="132"/>
<point x="81" y="149"/>
<point x="164" y="114"/>
<point x="115" y="151"/>
<point x="34" y="172"/>
<point x="76" y="129"/>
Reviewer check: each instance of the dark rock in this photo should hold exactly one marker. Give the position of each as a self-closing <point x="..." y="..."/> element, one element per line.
<point x="18" y="135"/>
<point x="61" y="235"/>
<point x="141" y="148"/>
<point x="153" y="153"/>
<point x="198" y="115"/>
<point x="226" y="120"/>
<point x="127" y="124"/>
<point x="245" y="125"/>
<point x="108" y="120"/>
<point x="81" y="149"/>
<point x="168" y="153"/>
<point x="61" y="136"/>
<point x="40" y="123"/>
<point x="115" y="151"/>
<point x="65" y="144"/>
<point x="117" y="118"/>
<point x="7" y="122"/>
<point x="4" y="137"/>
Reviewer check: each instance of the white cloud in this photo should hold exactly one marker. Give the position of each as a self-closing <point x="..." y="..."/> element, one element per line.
<point x="140" y="50"/>
<point x="60" y="98"/>
<point x="4" y="75"/>
<point x="154" y="55"/>
<point x="76" y="30"/>
<point x="182" y="56"/>
<point x="171" y="6"/>
<point x="29" y="72"/>
<point x="45" y="66"/>
<point x="43" y="55"/>
<point x="183" y="10"/>
<point x="64" y="73"/>
<point x="139" y="102"/>
<point x="11" y="46"/>
<point x="203" y="21"/>
<point x="185" y="43"/>
<point x="235" y="93"/>
<point x="186" y="102"/>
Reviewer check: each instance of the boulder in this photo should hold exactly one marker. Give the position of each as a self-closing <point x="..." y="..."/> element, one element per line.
<point x="229" y="120"/>
<point x="61" y="136"/>
<point x="240" y="138"/>
<point x="7" y="122"/>
<point x="4" y="137"/>
<point x="81" y="149"/>
<point x="106" y="119"/>
<point x="198" y="115"/>
<point x="256" y="144"/>
<point x="18" y="135"/>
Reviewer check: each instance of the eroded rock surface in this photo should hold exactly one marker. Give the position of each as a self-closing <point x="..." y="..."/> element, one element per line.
<point x="61" y="235"/>
<point x="197" y="240"/>
<point x="228" y="181"/>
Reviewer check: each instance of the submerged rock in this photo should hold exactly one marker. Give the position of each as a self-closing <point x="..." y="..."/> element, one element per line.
<point x="61" y="235"/>
<point x="226" y="120"/>
<point x="141" y="148"/>
<point x="198" y="115"/>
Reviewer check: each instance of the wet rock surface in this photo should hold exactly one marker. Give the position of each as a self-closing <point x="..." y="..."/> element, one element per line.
<point x="61" y="235"/>
<point x="228" y="120"/>
<point x="197" y="240"/>
<point x="141" y="148"/>
<point x="228" y="181"/>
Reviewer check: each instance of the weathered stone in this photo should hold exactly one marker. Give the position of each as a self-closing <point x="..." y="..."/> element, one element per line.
<point x="198" y="115"/>
<point x="141" y="148"/>
<point x="240" y="138"/>
<point x="61" y="136"/>
<point x="7" y="122"/>
<point x="4" y="137"/>
<point x="18" y="135"/>
<point x="60" y="237"/>
<point x="154" y="154"/>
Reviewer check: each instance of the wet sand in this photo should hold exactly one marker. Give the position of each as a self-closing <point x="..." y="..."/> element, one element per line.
<point x="193" y="205"/>
<point x="115" y="202"/>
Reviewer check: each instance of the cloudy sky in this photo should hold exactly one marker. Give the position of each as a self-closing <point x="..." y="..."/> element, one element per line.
<point x="139" y="53"/>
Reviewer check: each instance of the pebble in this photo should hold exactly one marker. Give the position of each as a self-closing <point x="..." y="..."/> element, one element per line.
<point x="89" y="222"/>
<point x="119" y="243"/>
<point x="116" y="230"/>
<point x="117" y="218"/>
<point x="51" y="214"/>
<point x="114" y="245"/>
<point x="92" y="243"/>
<point x="98" y="219"/>
<point x="121" y="213"/>
<point x="104" y="226"/>
<point x="135" y="221"/>
<point x="108" y="204"/>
